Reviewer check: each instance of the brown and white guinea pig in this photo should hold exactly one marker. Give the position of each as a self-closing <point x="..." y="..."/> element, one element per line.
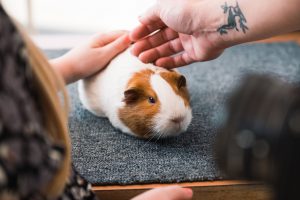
<point x="139" y="99"/>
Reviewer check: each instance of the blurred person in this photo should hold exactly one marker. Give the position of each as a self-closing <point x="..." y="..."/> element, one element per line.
<point x="35" y="148"/>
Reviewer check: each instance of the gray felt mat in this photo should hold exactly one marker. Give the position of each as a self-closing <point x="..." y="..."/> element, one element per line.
<point x="105" y="156"/>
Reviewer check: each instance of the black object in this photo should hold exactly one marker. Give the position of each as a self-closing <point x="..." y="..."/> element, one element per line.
<point x="260" y="139"/>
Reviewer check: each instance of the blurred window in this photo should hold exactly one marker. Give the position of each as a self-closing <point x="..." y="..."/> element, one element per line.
<point x="76" y="16"/>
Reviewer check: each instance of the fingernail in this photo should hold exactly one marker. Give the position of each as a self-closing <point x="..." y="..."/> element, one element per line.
<point x="188" y="191"/>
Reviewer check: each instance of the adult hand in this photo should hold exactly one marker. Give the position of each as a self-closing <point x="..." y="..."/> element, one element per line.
<point x="92" y="56"/>
<point x="199" y="30"/>
<point x="166" y="193"/>
<point x="186" y="33"/>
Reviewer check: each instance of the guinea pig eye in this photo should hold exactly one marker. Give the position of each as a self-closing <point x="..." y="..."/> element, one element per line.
<point x="151" y="100"/>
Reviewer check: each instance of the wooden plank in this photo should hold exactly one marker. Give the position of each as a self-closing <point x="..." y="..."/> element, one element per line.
<point x="187" y="184"/>
<point x="211" y="190"/>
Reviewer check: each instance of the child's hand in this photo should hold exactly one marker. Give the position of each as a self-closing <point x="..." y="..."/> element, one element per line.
<point x="89" y="58"/>
<point x="166" y="193"/>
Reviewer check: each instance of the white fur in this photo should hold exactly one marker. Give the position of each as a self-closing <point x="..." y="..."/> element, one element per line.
<point x="172" y="106"/>
<point x="103" y="93"/>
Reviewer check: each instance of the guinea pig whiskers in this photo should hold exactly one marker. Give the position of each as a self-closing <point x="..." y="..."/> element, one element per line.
<point x="159" y="136"/>
<point x="149" y="131"/>
<point x="150" y="138"/>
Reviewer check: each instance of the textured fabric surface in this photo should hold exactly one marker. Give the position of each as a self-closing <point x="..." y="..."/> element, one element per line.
<point x="105" y="156"/>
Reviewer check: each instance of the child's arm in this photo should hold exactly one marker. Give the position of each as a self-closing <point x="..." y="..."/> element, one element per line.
<point x="90" y="57"/>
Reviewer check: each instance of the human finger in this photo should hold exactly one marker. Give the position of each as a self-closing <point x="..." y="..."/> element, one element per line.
<point x="154" y="40"/>
<point x="174" y="61"/>
<point x="115" y="47"/>
<point x="142" y="30"/>
<point x="168" y="49"/>
<point x="103" y="39"/>
<point x="150" y="22"/>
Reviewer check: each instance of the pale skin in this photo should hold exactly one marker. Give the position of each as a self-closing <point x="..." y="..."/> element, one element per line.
<point x="188" y="29"/>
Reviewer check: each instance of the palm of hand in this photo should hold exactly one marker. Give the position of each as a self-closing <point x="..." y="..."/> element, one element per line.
<point x="177" y="43"/>
<point x="198" y="47"/>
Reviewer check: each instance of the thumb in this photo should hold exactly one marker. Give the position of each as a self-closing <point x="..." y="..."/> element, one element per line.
<point x="150" y="16"/>
<point x="150" y="22"/>
<point x="100" y="40"/>
<point x="116" y="46"/>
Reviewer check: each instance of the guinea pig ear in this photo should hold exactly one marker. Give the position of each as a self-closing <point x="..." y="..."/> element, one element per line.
<point x="181" y="82"/>
<point x="131" y="95"/>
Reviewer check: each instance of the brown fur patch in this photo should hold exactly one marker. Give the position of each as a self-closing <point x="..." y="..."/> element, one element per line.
<point x="173" y="78"/>
<point x="138" y="114"/>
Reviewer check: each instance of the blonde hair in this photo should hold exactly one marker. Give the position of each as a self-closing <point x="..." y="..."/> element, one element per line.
<point x="49" y="85"/>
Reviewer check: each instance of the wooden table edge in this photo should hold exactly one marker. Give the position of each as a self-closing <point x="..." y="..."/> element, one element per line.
<point x="208" y="190"/>
<point x="184" y="184"/>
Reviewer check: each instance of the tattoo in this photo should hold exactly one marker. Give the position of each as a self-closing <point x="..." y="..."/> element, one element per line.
<point x="234" y="14"/>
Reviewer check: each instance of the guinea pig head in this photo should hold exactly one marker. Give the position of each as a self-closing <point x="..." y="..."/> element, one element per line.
<point x="156" y="104"/>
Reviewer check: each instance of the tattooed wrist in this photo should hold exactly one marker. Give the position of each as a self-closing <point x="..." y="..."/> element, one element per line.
<point x="235" y="19"/>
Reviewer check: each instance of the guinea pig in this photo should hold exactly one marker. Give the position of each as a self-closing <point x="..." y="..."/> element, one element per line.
<point x="140" y="99"/>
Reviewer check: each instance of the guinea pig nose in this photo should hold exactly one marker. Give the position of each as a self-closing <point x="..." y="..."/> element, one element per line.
<point x="177" y="120"/>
